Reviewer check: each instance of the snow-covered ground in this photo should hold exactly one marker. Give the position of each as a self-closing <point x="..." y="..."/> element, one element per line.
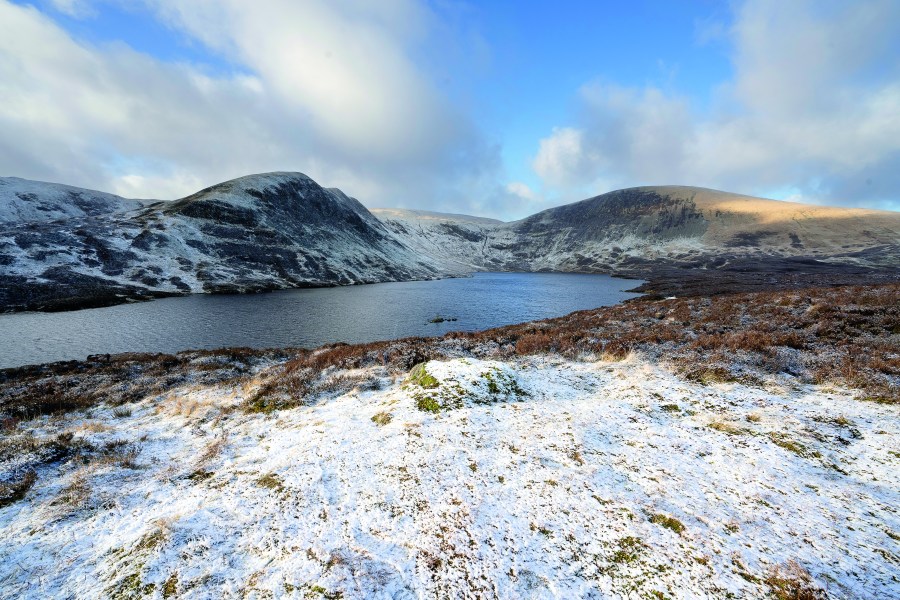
<point x="535" y="478"/>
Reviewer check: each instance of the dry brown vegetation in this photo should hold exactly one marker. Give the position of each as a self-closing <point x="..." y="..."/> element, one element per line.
<point x="31" y="391"/>
<point x="792" y="582"/>
<point x="846" y="335"/>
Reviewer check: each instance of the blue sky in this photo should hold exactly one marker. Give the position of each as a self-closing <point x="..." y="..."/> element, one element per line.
<point x="493" y="108"/>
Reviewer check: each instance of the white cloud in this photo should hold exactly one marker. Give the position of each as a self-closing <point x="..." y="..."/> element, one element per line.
<point x="562" y="157"/>
<point x="73" y="8"/>
<point x="814" y="105"/>
<point x="327" y="88"/>
<point x="517" y="188"/>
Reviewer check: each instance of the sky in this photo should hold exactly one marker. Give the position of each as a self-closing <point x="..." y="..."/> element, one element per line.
<point x="493" y="108"/>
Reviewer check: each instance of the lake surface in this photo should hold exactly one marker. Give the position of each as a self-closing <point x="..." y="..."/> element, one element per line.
<point x="304" y="318"/>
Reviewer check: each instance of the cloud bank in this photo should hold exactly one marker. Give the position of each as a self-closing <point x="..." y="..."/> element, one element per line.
<point x="812" y="113"/>
<point x="354" y="94"/>
<point x="329" y="88"/>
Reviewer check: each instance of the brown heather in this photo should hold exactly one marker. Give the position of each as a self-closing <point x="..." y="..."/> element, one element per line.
<point x="845" y="335"/>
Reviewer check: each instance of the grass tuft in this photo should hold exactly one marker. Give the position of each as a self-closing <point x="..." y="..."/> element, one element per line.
<point x="668" y="522"/>
<point x="382" y="418"/>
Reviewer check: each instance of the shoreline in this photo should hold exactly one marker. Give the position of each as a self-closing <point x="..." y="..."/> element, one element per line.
<point x="580" y="333"/>
<point x="737" y="274"/>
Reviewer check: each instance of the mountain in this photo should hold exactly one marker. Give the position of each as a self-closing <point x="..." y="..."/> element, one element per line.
<point x="261" y="232"/>
<point x="682" y="239"/>
<point x="63" y="247"/>
<point x="25" y="201"/>
<point x="457" y="240"/>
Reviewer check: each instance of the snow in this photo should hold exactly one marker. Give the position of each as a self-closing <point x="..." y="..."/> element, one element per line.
<point x="536" y="478"/>
<point x="24" y="201"/>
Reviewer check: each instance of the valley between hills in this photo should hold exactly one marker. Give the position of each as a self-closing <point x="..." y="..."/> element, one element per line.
<point x="731" y="434"/>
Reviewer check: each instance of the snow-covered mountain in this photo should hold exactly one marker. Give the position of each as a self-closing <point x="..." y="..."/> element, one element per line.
<point x="458" y="240"/>
<point x="262" y="232"/>
<point x="681" y="239"/>
<point x="25" y="201"/>
<point x="63" y="247"/>
<point x="701" y="228"/>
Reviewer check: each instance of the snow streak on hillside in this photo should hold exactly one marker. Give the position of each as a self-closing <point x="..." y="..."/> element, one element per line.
<point x="533" y="478"/>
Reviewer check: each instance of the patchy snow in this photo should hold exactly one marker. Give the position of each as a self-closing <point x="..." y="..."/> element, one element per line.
<point x="26" y="201"/>
<point x="528" y="479"/>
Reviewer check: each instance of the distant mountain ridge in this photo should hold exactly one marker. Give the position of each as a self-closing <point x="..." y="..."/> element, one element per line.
<point x="64" y="247"/>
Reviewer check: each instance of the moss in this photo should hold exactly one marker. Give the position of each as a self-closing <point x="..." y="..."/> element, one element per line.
<point x="668" y="522"/>
<point x="260" y="402"/>
<point x="382" y="418"/>
<point x="500" y="383"/>
<point x="131" y="586"/>
<point x="422" y="378"/>
<point x="151" y="541"/>
<point x="428" y="404"/>
<point x="271" y="481"/>
<point x="629" y="549"/>
<point x="671" y="408"/>
<point x="783" y="441"/>
<point x="318" y="590"/>
<point x="170" y="587"/>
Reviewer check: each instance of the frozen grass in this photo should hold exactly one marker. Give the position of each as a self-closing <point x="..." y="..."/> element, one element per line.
<point x="562" y="479"/>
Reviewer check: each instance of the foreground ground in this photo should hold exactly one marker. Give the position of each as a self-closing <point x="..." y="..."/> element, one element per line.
<point x="744" y="447"/>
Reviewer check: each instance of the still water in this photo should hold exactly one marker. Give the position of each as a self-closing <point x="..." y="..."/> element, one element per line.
<point x="304" y="318"/>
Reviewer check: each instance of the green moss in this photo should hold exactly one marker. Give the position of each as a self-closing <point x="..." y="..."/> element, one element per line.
<point x="131" y="586"/>
<point x="428" y="404"/>
<point x="668" y="522"/>
<point x="422" y="378"/>
<point x="629" y="550"/>
<point x="500" y="383"/>
<point x="324" y="593"/>
<point x="382" y="418"/>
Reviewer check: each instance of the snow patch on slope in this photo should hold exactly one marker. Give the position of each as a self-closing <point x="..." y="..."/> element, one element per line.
<point x="26" y="201"/>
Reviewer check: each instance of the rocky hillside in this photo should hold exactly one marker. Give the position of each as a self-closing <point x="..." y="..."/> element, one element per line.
<point x="459" y="240"/>
<point x="262" y="232"/>
<point x="25" y="201"/>
<point x="701" y="228"/>
<point x="681" y="239"/>
<point x="63" y="247"/>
